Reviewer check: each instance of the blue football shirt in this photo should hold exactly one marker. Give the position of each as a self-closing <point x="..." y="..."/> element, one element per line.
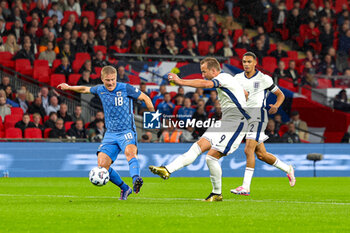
<point x="117" y="106"/>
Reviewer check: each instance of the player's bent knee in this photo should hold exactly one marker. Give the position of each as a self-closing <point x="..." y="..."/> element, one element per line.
<point x="104" y="160"/>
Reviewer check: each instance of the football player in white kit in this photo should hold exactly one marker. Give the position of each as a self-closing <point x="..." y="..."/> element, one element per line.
<point x="219" y="141"/>
<point x="258" y="86"/>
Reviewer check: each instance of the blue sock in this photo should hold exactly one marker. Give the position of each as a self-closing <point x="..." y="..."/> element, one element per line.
<point x="134" y="169"/>
<point x="115" y="178"/>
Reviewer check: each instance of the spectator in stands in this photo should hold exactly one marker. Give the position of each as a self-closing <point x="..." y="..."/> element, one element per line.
<point x="270" y="131"/>
<point x="311" y="34"/>
<point x="243" y="42"/>
<point x="9" y="93"/>
<point x="5" y="81"/>
<point x="65" y="51"/>
<point x="279" y="52"/>
<point x="291" y="136"/>
<point x="77" y="114"/>
<point x="21" y="100"/>
<point x="292" y="73"/>
<point x="157" y="48"/>
<point x="77" y="130"/>
<point x="278" y="121"/>
<point x="191" y="50"/>
<point x="37" y="122"/>
<point x="280" y="72"/>
<point x="97" y="133"/>
<point x="344" y="42"/>
<point x="199" y="115"/>
<point x="85" y="79"/>
<point x="72" y="5"/>
<point x="99" y="61"/>
<point x="300" y="126"/>
<point x="10" y="45"/>
<point x="265" y="39"/>
<point x="311" y="58"/>
<point x="55" y="11"/>
<point x="85" y="25"/>
<point x="171" y="134"/>
<point x="186" y="112"/>
<point x="327" y="62"/>
<point x="87" y="66"/>
<point x="37" y="107"/>
<point x="9" y="102"/>
<point x="137" y="48"/>
<point x="25" y="53"/>
<point x="48" y="54"/>
<point x="62" y="113"/>
<point x="259" y="50"/>
<point x="58" y="131"/>
<point x="211" y="51"/>
<point x="178" y="100"/>
<point x="166" y="107"/>
<point x="17" y="30"/>
<point x="326" y="38"/>
<point x="171" y="48"/>
<point x="3" y="30"/>
<point x="226" y="50"/>
<point x="341" y="101"/>
<point x="187" y="135"/>
<point x="54" y="106"/>
<point x="99" y="116"/>
<point x="121" y="76"/>
<point x="65" y="68"/>
<point x="294" y="21"/>
<point x="195" y="99"/>
<point x="308" y="76"/>
<point x="279" y="14"/>
<point x="4" y="108"/>
<point x="44" y="95"/>
<point x="83" y="45"/>
<point x="24" y="123"/>
<point x="212" y="99"/>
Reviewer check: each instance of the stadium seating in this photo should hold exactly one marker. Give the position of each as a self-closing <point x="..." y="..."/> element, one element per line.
<point x="90" y="15"/>
<point x="57" y="79"/>
<point x="23" y="66"/>
<point x="16" y="111"/>
<point x="32" y="133"/>
<point x="203" y="47"/>
<point x="68" y="125"/>
<point x="47" y="132"/>
<point x="176" y="109"/>
<point x="11" y="120"/>
<point x="73" y="79"/>
<point x="100" y="48"/>
<point x="134" y="80"/>
<point x="240" y="52"/>
<point x="13" y="133"/>
<point x="6" y="59"/>
<point x="269" y="64"/>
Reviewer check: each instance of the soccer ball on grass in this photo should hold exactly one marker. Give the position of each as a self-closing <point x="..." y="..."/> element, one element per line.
<point x="99" y="176"/>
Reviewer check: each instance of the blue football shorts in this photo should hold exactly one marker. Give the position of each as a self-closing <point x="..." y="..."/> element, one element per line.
<point x="114" y="143"/>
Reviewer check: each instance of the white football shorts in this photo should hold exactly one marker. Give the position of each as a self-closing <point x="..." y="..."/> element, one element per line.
<point x="256" y="131"/>
<point x="228" y="137"/>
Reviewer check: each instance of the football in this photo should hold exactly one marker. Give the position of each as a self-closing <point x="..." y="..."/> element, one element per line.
<point x="99" y="176"/>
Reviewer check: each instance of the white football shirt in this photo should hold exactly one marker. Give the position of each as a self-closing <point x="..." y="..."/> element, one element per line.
<point x="231" y="97"/>
<point x="258" y="87"/>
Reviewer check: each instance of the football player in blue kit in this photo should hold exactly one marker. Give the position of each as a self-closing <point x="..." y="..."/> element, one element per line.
<point x="121" y="131"/>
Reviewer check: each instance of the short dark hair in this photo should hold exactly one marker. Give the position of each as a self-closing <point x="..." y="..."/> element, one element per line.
<point x="250" y="54"/>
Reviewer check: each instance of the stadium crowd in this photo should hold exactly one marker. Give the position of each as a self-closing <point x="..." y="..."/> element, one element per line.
<point x="58" y="31"/>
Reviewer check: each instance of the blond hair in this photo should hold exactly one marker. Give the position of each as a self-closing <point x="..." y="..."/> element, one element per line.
<point x="211" y="63"/>
<point x="108" y="70"/>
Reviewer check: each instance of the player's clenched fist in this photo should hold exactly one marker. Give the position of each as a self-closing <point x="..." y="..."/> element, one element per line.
<point x="173" y="77"/>
<point x="63" y="86"/>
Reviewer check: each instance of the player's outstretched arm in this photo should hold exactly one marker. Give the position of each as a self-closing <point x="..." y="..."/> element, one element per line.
<point x="143" y="97"/>
<point x="79" y="89"/>
<point x="279" y="101"/>
<point x="191" y="83"/>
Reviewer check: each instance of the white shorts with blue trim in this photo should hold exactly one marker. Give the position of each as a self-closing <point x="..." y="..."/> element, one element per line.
<point x="228" y="137"/>
<point x="256" y="131"/>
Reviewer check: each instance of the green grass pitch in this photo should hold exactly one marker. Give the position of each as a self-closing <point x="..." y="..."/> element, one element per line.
<point x="75" y="205"/>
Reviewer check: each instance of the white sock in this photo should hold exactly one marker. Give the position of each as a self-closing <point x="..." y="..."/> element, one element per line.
<point x="185" y="159"/>
<point x="248" y="175"/>
<point x="281" y="165"/>
<point x="215" y="173"/>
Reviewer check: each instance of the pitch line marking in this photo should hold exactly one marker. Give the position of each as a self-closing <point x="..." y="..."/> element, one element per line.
<point x="176" y="199"/>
